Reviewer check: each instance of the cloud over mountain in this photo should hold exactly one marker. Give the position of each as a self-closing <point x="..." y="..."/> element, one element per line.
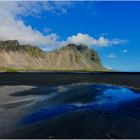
<point x="90" y="41"/>
<point x="13" y="27"/>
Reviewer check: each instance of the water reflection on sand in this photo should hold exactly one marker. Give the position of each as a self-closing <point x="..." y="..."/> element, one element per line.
<point x="78" y="110"/>
<point x="68" y="99"/>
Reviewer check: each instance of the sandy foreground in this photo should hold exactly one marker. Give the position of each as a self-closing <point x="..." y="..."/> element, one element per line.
<point x="24" y="99"/>
<point x="9" y="116"/>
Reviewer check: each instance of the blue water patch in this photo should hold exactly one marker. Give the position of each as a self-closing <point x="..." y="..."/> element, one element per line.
<point x="48" y="113"/>
<point x="112" y="97"/>
<point x="105" y="97"/>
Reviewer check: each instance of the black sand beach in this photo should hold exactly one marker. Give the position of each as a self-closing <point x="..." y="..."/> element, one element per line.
<point x="130" y="79"/>
<point x="70" y="105"/>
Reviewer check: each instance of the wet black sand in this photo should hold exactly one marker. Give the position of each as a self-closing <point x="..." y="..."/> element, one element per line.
<point x="121" y="122"/>
<point x="131" y="79"/>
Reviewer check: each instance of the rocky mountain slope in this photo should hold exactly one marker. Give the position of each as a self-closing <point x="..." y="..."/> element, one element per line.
<point x="70" y="57"/>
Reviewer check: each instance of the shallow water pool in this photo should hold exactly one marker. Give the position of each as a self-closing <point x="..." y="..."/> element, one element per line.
<point x="79" y="97"/>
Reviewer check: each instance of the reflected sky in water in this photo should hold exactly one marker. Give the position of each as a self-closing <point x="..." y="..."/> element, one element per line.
<point x="113" y="97"/>
<point x="79" y="97"/>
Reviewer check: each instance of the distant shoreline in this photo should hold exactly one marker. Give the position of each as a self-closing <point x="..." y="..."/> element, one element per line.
<point x="50" y="78"/>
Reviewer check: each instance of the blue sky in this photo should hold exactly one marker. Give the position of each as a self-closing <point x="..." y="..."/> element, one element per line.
<point x="111" y="28"/>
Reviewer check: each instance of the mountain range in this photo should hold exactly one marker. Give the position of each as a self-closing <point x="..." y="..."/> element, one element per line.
<point x="69" y="57"/>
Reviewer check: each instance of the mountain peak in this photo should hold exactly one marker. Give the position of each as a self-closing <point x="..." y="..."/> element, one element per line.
<point x="9" y="44"/>
<point x="73" y="46"/>
<point x="77" y="46"/>
<point x="14" y="46"/>
<point x="69" y="57"/>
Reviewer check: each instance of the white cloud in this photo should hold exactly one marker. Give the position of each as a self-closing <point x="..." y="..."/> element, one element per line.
<point x="111" y="55"/>
<point x="60" y="7"/>
<point x="125" y="50"/>
<point x="13" y="28"/>
<point x="108" y="67"/>
<point x="90" y="41"/>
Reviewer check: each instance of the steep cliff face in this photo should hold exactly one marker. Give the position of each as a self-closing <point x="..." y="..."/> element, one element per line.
<point x="14" y="46"/>
<point x="70" y="57"/>
<point x="13" y="55"/>
<point x="74" y="57"/>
